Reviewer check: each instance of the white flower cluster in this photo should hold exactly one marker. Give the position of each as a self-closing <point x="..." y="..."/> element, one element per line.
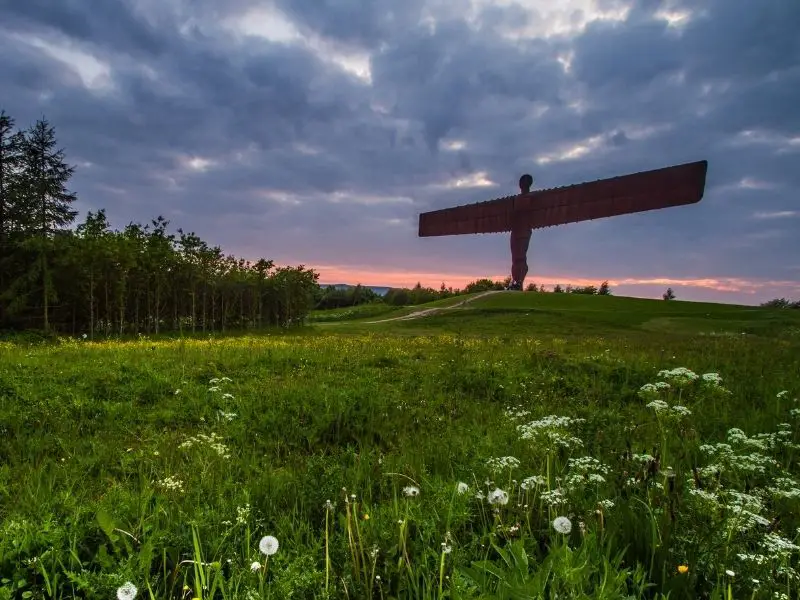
<point x="226" y="416"/>
<point x="778" y="546"/>
<point x="654" y="388"/>
<point x="242" y="514"/>
<point x="211" y="441"/>
<point x="171" y="484"/>
<point x="552" y="431"/>
<point x="532" y="482"/>
<point x="515" y="412"/>
<point x="584" y="472"/>
<point x="784" y="487"/>
<point x="664" y="409"/>
<point x="502" y="463"/>
<point x="554" y="497"/>
<point x="215" y="383"/>
<point x="678" y="375"/>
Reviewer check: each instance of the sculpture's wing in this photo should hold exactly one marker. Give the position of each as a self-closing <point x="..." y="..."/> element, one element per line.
<point x="649" y="190"/>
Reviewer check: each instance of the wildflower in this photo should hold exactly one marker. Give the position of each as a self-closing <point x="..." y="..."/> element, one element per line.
<point x="678" y="375"/>
<point x="562" y="525"/>
<point x="366" y="517"/>
<point x="462" y="487"/>
<point x="531" y="482"/>
<point x="658" y="405"/>
<point x="606" y="504"/>
<point x="255" y="566"/>
<point x="712" y="378"/>
<point x="268" y="545"/>
<point x="242" y="514"/>
<point x="683" y="569"/>
<point x="729" y="573"/>
<point x="554" y="497"/>
<point x="228" y="416"/>
<point x="171" y="484"/>
<point x="498" y="496"/>
<point x="446" y="548"/>
<point x="504" y="462"/>
<point x="127" y="591"/>
<point x="411" y="491"/>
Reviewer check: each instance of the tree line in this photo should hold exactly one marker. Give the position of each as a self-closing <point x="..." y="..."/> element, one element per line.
<point x="327" y="297"/>
<point x="141" y="279"/>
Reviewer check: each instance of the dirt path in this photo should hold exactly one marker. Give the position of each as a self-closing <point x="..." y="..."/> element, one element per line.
<point x="432" y="311"/>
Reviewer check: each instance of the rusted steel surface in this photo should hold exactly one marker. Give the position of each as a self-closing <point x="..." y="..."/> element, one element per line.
<point x="649" y="190"/>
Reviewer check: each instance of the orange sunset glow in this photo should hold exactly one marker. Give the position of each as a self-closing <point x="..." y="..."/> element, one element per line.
<point x="724" y="289"/>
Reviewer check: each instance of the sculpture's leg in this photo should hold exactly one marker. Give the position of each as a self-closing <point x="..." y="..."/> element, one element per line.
<point x="520" y="240"/>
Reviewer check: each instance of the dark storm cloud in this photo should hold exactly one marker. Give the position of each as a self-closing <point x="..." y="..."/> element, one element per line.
<point x="293" y="155"/>
<point x="104" y="24"/>
<point x="356" y="22"/>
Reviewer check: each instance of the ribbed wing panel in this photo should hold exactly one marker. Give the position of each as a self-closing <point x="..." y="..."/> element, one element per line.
<point x="648" y="190"/>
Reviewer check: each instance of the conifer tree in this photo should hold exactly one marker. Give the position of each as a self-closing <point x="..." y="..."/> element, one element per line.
<point x="45" y="198"/>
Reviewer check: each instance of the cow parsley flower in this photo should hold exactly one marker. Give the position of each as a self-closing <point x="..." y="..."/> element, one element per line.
<point x="658" y="406"/>
<point x="496" y="464"/>
<point x="268" y="545"/>
<point x="532" y="482"/>
<point x="562" y="525"/>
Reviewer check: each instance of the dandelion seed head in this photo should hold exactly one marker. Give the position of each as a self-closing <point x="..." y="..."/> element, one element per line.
<point x="562" y="525"/>
<point x="126" y="591"/>
<point x="411" y="491"/>
<point x="255" y="566"/>
<point x="498" y="496"/>
<point x="462" y="487"/>
<point x="268" y="545"/>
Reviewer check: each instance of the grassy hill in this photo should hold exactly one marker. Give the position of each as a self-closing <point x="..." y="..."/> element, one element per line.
<point x="520" y="445"/>
<point x="515" y="313"/>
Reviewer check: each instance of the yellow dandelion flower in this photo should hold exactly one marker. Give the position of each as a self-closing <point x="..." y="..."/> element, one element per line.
<point x="366" y="517"/>
<point x="683" y="569"/>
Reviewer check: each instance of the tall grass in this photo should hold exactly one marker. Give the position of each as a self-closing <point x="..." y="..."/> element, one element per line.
<point x="391" y="466"/>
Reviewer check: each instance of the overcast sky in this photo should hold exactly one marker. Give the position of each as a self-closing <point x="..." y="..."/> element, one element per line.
<point x="315" y="131"/>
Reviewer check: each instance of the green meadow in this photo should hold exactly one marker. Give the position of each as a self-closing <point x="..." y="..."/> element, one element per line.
<point x="519" y="445"/>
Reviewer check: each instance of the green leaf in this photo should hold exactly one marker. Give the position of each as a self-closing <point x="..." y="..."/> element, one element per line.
<point x="106" y="524"/>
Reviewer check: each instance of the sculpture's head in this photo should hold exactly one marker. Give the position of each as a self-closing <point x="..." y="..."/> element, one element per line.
<point x="525" y="183"/>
